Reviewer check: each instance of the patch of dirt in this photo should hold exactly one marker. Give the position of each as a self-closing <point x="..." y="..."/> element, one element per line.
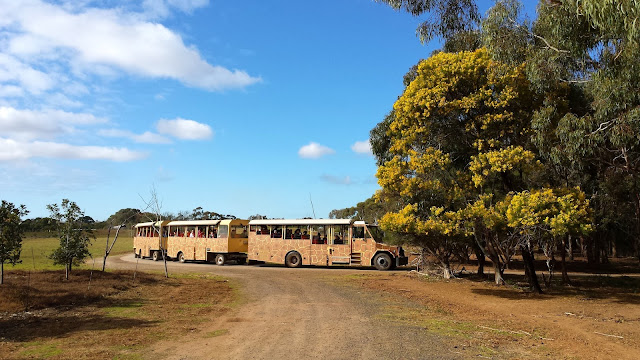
<point x="599" y="317"/>
<point x="113" y="315"/>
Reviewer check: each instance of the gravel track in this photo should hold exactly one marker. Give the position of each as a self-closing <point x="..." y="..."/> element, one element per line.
<point x="294" y="313"/>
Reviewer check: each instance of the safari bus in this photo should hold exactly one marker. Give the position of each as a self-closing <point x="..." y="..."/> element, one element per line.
<point x="325" y="242"/>
<point x="148" y="240"/>
<point x="193" y="240"/>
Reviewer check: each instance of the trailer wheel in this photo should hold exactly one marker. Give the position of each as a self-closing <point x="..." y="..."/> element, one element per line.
<point x="181" y="257"/>
<point x="135" y="254"/>
<point x="293" y="260"/>
<point x="382" y="261"/>
<point x="220" y="259"/>
<point x="156" y="255"/>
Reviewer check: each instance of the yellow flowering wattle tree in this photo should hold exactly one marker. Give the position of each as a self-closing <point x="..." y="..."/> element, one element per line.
<point x="460" y="151"/>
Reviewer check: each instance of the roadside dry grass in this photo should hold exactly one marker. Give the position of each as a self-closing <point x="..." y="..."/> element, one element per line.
<point x="596" y="318"/>
<point x="113" y="316"/>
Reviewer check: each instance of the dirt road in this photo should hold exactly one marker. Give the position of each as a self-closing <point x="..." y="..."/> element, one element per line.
<point x="293" y="313"/>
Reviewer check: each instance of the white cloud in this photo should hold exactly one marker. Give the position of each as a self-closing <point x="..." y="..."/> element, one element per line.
<point x="337" y="180"/>
<point x="15" y="72"/>
<point x="314" y="151"/>
<point x="184" y="129"/>
<point x="92" y="37"/>
<point x="12" y="150"/>
<point x="11" y="91"/>
<point x="145" y="138"/>
<point x="161" y="8"/>
<point x="43" y="124"/>
<point x="362" y="147"/>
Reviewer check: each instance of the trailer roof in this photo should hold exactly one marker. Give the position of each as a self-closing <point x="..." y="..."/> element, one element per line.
<point x="302" y="222"/>
<point x="192" y="222"/>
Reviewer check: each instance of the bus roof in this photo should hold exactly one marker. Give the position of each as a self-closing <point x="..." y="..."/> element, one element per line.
<point x="234" y="222"/>
<point x="193" y="222"/>
<point x="302" y="222"/>
<point x="157" y="223"/>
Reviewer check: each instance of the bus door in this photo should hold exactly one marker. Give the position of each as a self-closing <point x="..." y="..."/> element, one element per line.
<point x="339" y="245"/>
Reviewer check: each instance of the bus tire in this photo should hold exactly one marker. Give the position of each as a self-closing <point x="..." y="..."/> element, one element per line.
<point x="220" y="259"/>
<point x="293" y="260"/>
<point x="181" y="257"/>
<point x="382" y="261"/>
<point x="156" y="255"/>
<point x="242" y="261"/>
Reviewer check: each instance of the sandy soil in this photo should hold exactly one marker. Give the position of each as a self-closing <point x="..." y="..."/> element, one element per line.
<point x="317" y="313"/>
<point x="579" y="323"/>
<point x="297" y="313"/>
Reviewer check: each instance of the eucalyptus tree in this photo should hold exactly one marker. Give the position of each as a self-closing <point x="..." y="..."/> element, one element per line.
<point x="75" y="235"/>
<point x="11" y="233"/>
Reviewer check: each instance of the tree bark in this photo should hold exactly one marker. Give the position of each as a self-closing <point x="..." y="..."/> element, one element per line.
<point x="498" y="275"/>
<point x="563" y="262"/>
<point x="529" y="269"/>
<point x="2" y="273"/>
<point x="481" y="260"/>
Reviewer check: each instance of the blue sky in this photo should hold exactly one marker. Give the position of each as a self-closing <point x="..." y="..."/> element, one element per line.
<point x="238" y="107"/>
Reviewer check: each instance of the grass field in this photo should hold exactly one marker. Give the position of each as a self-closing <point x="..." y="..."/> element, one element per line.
<point x="37" y="247"/>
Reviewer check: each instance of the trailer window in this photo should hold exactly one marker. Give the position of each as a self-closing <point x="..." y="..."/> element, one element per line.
<point x="223" y="231"/>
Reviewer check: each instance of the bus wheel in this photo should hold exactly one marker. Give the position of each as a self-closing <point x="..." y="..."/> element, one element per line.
<point x="156" y="255"/>
<point x="220" y="259"/>
<point x="242" y="261"/>
<point x="181" y="258"/>
<point x="293" y="260"/>
<point x="382" y="261"/>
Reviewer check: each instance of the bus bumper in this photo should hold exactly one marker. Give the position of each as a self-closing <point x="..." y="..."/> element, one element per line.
<point x="402" y="260"/>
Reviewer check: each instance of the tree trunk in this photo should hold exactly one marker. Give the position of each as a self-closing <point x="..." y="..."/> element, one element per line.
<point x="66" y="271"/>
<point x="481" y="260"/>
<point x="2" y="273"/>
<point x="446" y="272"/>
<point x="529" y="269"/>
<point x="570" y="248"/>
<point x="563" y="262"/>
<point x="498" y="275"/>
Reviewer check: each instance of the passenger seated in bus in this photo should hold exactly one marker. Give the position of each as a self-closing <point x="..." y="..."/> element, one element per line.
<point x="191" y="234"/>
<point x="200" y="233"/>
<point x="305" y="235"/>
<point x="297" y="234"/>
<point x="288" y="234"/>
<point x="337" y="240"/>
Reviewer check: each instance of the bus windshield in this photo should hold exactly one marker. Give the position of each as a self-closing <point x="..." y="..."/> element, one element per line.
<point x="376" y="233"/>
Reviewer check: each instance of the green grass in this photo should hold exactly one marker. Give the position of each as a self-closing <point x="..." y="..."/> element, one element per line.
<point x="216" y="333"/>
<point x="131" y="310"/>
<point x="36" y="250"/>
<point x="40" y="350"/>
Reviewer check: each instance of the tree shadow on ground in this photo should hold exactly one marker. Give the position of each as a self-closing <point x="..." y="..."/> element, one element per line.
<point x="26" y="328"/>
<point x="620" y="289"/>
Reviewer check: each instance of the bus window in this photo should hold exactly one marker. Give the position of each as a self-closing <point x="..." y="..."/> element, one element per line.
<point x="358" y="232"/>
<point x="211" y="231"/>
<point x="276" y="231"/>
<point x="377" y="234"/>
<point x="296" y="232"/>
<point x="253" y="228"/>
<point x="340" y="235"/>
<point x="318" y="234"/>
<point x="239" y="231"/>
<point x="262" y="230"/>
<point x="223" y="231"/>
